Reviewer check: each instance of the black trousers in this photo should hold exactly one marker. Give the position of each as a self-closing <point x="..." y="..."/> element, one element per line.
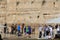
<point x="47" y="32"/>
<point x="40" y="34"/>
<point x="19" y="34"/>
<point x="12" y="31"/>
<point x="4" y="30"/>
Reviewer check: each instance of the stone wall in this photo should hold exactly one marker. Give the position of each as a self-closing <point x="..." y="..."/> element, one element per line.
<point x="29" y="11"/>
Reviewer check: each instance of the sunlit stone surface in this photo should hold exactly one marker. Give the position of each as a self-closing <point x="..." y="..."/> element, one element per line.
<point x="28" y="11"/>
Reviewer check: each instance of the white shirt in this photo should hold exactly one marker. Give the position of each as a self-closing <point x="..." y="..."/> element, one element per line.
<point x="58" y="28"/>
<point x="51" y="29"/>
<point x="40" y="28"/>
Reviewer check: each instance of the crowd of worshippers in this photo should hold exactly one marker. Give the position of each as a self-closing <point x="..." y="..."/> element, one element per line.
<point x="48" y="31"/>
<point x="44" y="31"/>
<point x="19" y="29"/>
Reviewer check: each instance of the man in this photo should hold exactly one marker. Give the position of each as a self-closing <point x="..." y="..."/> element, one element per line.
<point x="29" y="28"/>
<point x="51" y="29"/>
<point x="25" y="30"/>
<point x="5" y="28"/>
<point x="40" y="31"/>
<point x="22" y="27"/>
<point x="48" y="36"/>
<point x="58" y="32"/>
<point x="12" y="29"/>
<point x="46" y="30"/>
<point x="18" y="28"/>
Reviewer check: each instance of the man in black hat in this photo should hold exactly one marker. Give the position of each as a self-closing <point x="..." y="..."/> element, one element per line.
<point x="5" y="28"/>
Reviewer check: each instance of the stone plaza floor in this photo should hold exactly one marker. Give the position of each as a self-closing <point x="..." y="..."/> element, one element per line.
<point x="23" y="37"/>
<point x="15" y="37"/>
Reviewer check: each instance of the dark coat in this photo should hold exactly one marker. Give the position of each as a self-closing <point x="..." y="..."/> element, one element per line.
<point x="0" y="37"/>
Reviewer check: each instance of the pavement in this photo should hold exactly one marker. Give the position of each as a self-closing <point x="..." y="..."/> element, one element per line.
<point x="15" y="37"/>
<point x="23" y="37"/>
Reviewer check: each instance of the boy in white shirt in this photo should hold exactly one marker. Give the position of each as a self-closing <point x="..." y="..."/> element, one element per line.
<point x="40" y="31"/>
<point x="51" y="30"/>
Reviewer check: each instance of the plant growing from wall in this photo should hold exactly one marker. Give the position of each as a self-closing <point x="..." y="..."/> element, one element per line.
<point x="17" y="3"/>
<point x="32" y="2"/>
<point x="54" y="3"/>
<point x="43" y="2"/>
<point x="38" y="16"/>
